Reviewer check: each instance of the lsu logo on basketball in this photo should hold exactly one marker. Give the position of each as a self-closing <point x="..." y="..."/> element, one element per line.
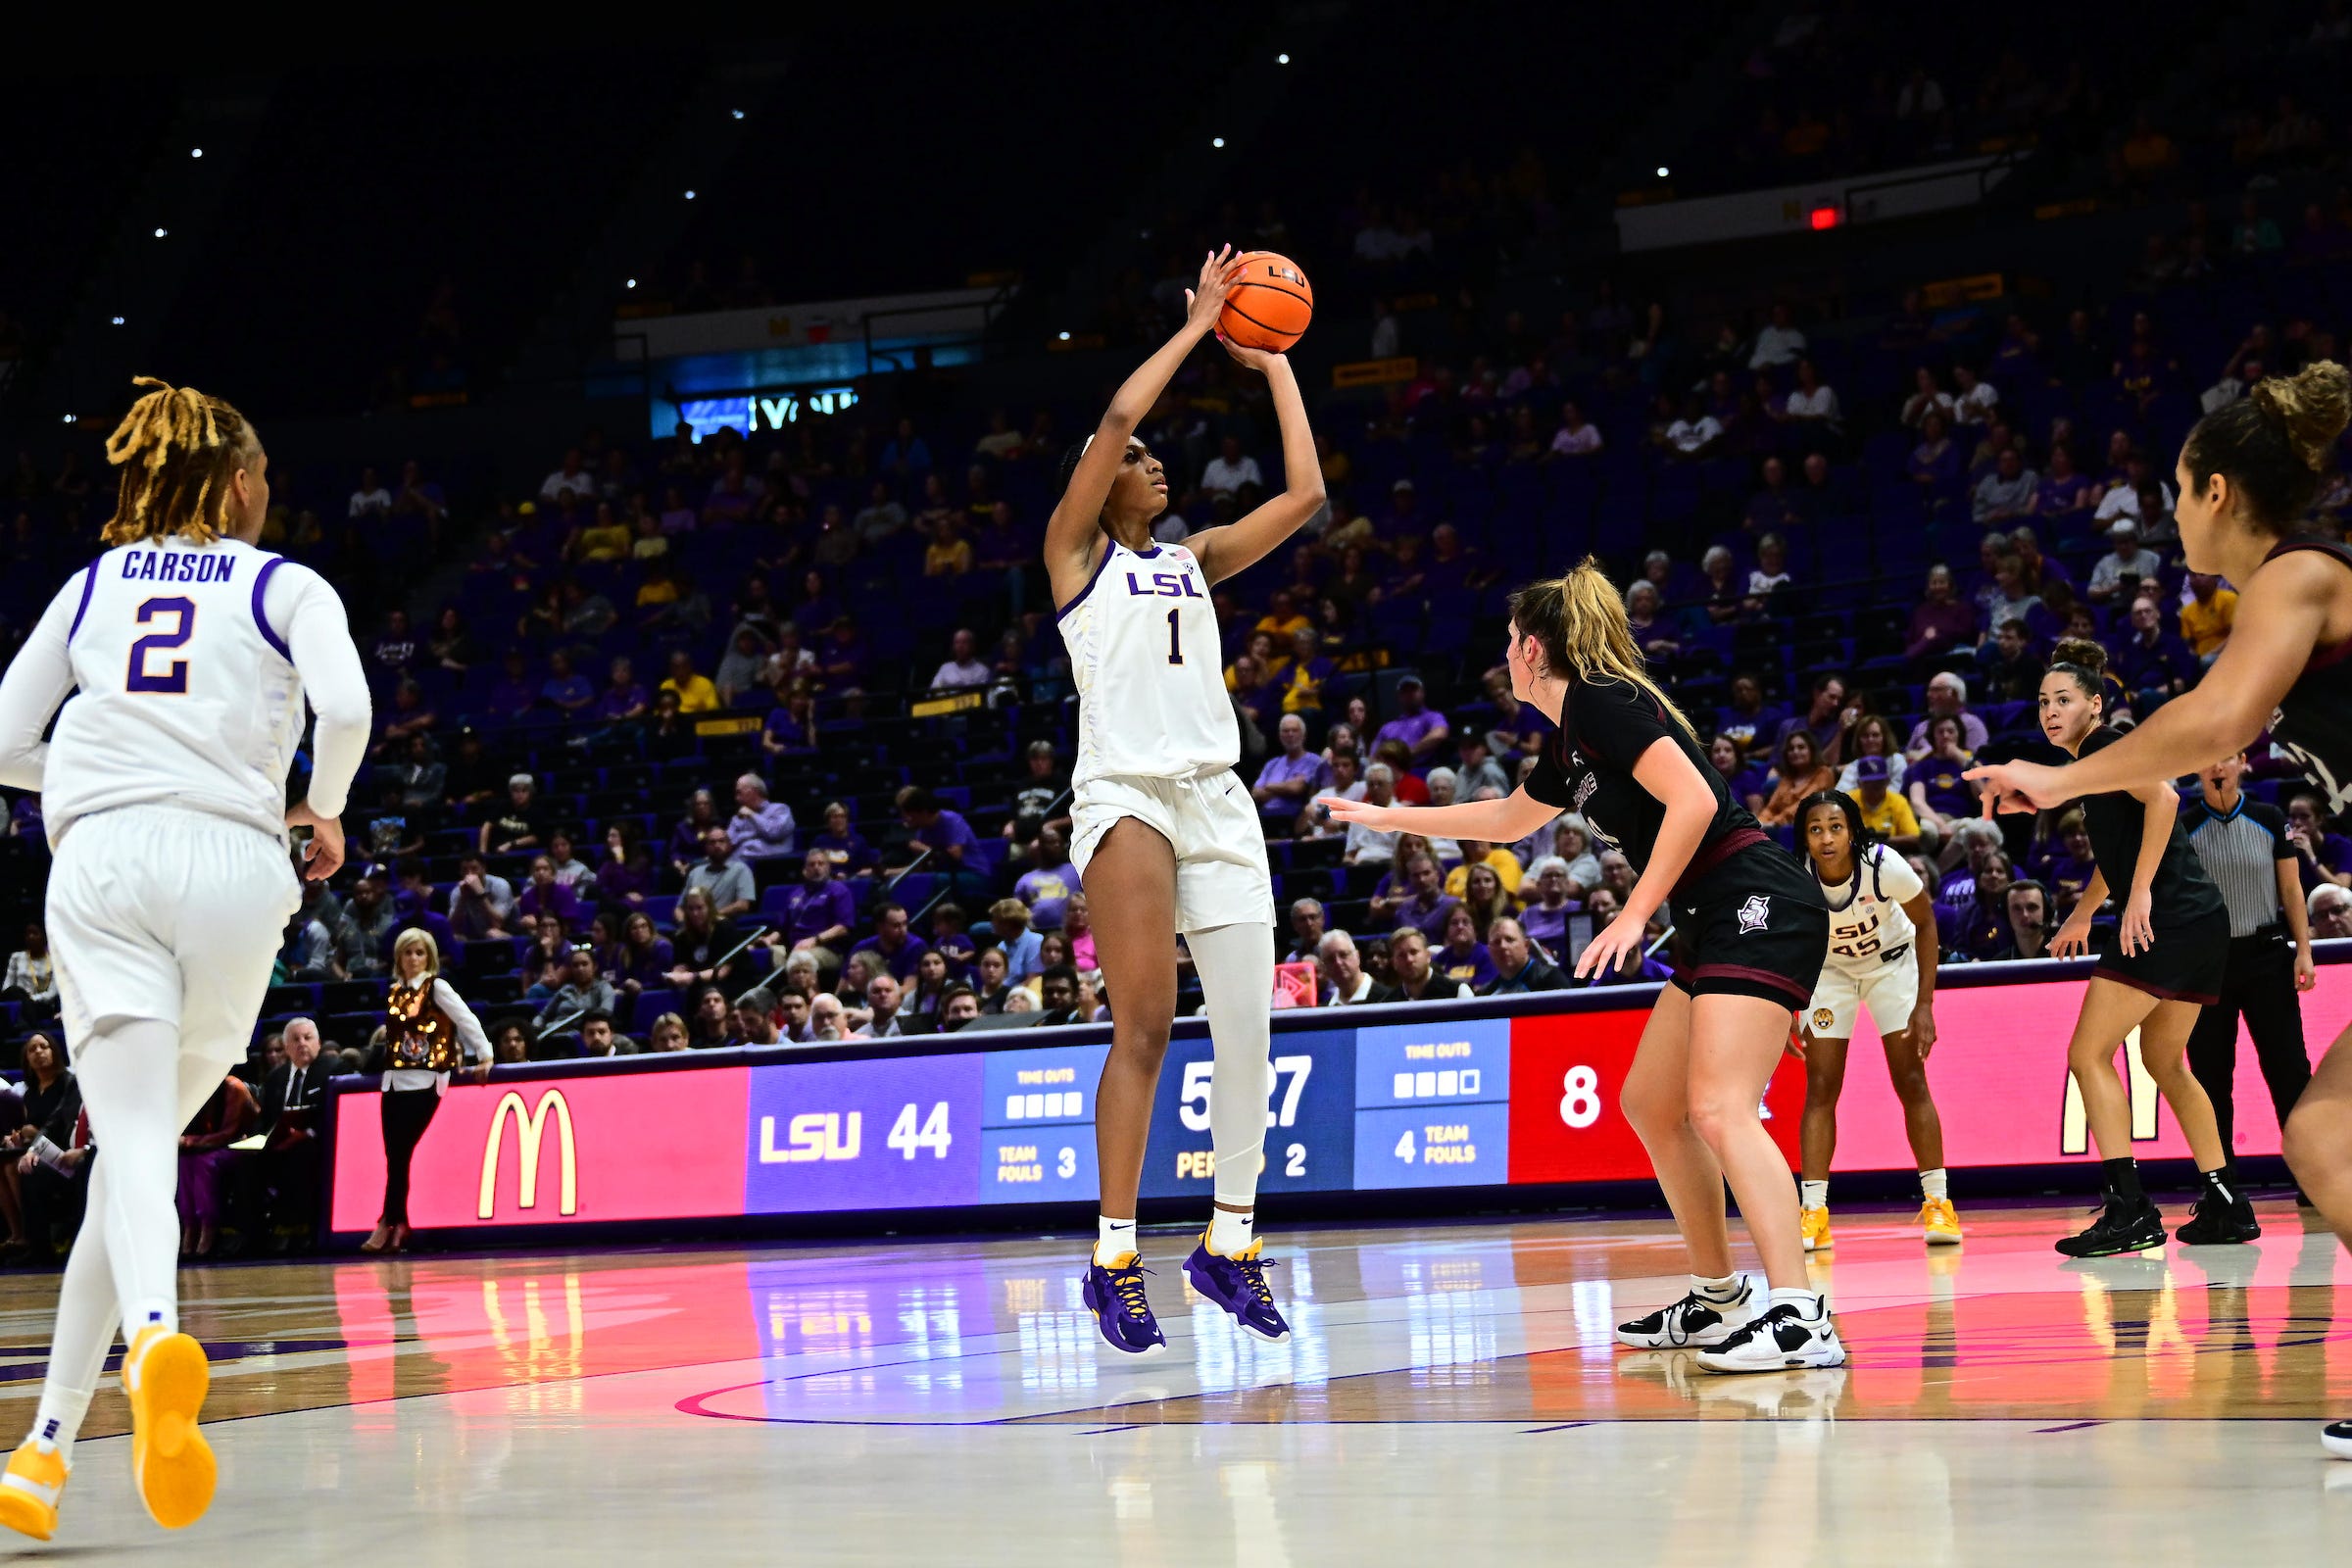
<point x="1284" y="273"/>
<point x="1754" y="913"/>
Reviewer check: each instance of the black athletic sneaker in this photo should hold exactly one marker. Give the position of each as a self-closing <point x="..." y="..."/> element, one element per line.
<point x="2217" y="1221"/>
<point x="1776" y="1339"/>
<point x="1694" y="1322"/>
<point x="2122" y="1227"/>
<point x="2336" y="1438"/>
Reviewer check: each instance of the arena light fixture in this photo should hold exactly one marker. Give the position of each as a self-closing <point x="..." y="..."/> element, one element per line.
<point x="195" y="152"/>
<point x="1282" y="60"/>
<point x="161" y="232"/>
<point x="632" y="283"/>
<point x="71" y="419"/>
<point x="734" y="114"/>
<point x="1216" y="142"/>
<point x="690" y="195"/>
<point x="1065" y="337"/>
<point x="1661" y="170"/>
<point x="118" y="320"/>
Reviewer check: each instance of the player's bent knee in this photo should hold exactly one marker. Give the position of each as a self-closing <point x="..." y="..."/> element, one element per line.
<point x="2318" y="1141"/>
<point x="1716" y="1118"/>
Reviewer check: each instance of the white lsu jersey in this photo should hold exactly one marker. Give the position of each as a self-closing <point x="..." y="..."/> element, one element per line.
<point x="187" y="691"/>
<point x="1150" y="670"/>
<point x="1868" y="926"/>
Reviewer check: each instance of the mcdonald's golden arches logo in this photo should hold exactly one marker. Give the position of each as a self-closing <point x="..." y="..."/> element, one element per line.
<point x="530" y="1136"/>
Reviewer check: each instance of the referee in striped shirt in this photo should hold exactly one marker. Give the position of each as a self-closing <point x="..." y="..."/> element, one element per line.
<point x="2243" y="845"/>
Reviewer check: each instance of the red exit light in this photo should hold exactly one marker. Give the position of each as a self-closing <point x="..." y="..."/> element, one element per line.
<point x="1823" y="216"/>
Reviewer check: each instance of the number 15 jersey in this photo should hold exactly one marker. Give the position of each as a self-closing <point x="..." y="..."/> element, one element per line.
<point x="1150" y="670"/>
<point x="184" y="657"/>
<point x="1868" y="924"/>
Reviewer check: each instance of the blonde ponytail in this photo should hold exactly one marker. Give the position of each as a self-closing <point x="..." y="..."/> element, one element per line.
<point x="1580" y="620"/>
<point x="178" y="451"/>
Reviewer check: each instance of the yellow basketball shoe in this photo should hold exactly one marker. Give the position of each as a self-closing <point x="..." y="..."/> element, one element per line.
<point x="29" y="1490"/>
<point x="166" y="1376"/>
<point x="1816" y="1225"/>
<point x="1942" y="1224"/>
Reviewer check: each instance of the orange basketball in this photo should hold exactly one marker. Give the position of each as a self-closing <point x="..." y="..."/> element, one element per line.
<point x="1270" y="303"/>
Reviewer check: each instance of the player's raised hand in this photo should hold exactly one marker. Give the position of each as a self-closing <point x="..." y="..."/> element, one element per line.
<point x="1259" y="359"/>
<point x="1202" y="304"/>
<point x="326" y="855"/>
<point x="2014" y="787"/>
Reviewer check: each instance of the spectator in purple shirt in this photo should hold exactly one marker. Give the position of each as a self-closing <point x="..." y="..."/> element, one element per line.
<point x="762" y="829"/>
<point x="791" y="727"/>
<point x="841" y="656"/>
<point x="624" y="702"/>
<point x="843" y="844"/>
<point x="646" y="957"/>
<point x="1421" y="730"/>
<point x="1430" y="903"/>
<point x="819" y="911"/>
<point x="511" y="695"/>
<point x="1047" y="888"/>
<point x="1941" y="622"/>
<point x="626" y="875"/>
<point x="546" y="895"/>
<point x="2320" y="856"/>
<point x="565" y="690"/>
<point x="891" y="944"/>
<point x="934" y="827"/>
<point x="1291" y="777"/>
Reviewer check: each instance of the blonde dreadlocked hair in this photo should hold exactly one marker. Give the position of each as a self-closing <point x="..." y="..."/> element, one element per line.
<point x="1580" y="621"/>
<point x="178" y="448"/>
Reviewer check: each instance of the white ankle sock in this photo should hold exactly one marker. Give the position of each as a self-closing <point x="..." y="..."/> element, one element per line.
<point x="58" y="1422"/>
<point x="1114" y="1240"/>
<point x="1711" y="1289"/>
<point x="1810" y="1303"/>
<point x="1229" y="1232"/>
<point x="1934" y="1184"/>
<point x="1813" y="1194"/>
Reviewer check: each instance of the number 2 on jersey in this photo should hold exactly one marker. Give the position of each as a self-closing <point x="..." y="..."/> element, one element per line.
<point x="1175" y="639"/>
<point x="141" y="676"/>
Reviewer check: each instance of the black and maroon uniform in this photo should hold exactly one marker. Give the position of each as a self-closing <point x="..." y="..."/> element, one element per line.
<point x="2187" y="960"/>
<point x="1751" y="917"/>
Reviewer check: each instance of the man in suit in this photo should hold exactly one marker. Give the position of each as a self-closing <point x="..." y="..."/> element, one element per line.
<point x="1518" y="966"/>
<point x="276" y="1187"/>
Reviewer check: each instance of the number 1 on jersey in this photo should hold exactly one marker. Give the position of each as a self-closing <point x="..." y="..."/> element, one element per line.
<point x="1175" y="639"/>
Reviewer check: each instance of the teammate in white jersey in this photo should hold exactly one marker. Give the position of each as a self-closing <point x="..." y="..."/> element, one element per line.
<point x="164" y="792"/>
<point x="1166" y="837"/>
<point x="1881" y="956"/>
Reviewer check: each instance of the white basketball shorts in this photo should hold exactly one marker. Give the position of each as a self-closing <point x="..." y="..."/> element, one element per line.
<point x="160" y="911"/>
<point x="1211" y="823"/>
<point x="1889" y="990"/>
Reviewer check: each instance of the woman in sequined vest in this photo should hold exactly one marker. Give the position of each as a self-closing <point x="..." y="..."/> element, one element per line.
<point x="428" y="1031"/>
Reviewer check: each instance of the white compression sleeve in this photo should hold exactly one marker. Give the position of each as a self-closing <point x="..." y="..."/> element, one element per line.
<point x="319" y="633"/>
<point x="1236" y="965"/>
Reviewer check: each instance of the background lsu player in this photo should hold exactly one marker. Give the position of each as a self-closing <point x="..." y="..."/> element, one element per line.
<point x="1881" y="956"/>
<point x="164" y="793"/>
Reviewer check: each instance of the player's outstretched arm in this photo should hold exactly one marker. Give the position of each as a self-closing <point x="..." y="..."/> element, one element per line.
<point x="1072" y="532"/>
<point x="2281" y="619"/>
<point x="38" y="680"/>
<point x="1503" y="821"/>
<point x="1235" y="548"/>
